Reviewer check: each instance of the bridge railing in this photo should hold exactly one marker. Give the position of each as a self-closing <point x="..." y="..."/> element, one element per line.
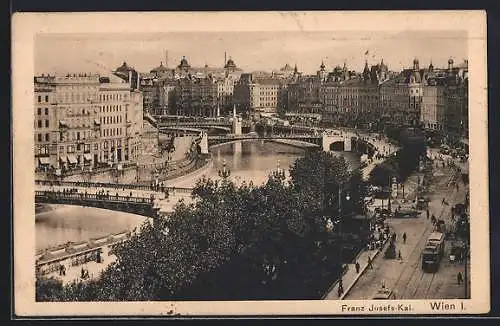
<point x="238" y="137"/>
<point x="89" y="184"/>
<point x="101" y="185"/>
<point x="94" y="197"/>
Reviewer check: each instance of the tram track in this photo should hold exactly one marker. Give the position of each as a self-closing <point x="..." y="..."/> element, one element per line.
<point x="414" y="283"/>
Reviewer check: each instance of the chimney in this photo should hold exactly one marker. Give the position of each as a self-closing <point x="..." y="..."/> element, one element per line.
<point x="225" y="58"/>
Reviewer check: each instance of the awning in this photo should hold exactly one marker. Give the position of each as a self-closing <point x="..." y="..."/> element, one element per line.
<point x="63" y="158"/>
<point x="97" y="122"/>
<point x="87" y="157"/>
<point x="44" y="160"/>
<point x="72" y="159"/>
<point x="62" y="122"/>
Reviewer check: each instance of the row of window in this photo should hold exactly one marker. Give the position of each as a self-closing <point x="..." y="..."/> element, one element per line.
<point x="111" y="108"/>
<point x="111" y="132"/>
<point x="113" y="97"/>
<point x="39" y="111"/>
<point x="75" y="97"/>
<point x="75" y="135"/>
<point x="40" y="137"/>
<point x="46" y="97"/>
<point x="86" y="147"/>
<point x="40" y="123"/>
<point x="111" y="120"/>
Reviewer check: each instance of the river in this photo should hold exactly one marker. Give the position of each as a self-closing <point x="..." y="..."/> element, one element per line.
<point x="247" y="161"/>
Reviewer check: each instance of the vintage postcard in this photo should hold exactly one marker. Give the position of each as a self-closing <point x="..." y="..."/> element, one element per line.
<point x="250" y="163"/>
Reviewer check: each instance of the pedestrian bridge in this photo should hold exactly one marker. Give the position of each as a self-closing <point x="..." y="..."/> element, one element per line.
<point x="135" y="205"/>
<point x="130" y="198"/>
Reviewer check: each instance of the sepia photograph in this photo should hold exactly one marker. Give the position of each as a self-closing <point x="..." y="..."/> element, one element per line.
<point x="273" y="163"/>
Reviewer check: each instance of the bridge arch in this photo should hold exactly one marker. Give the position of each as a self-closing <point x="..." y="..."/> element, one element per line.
<point x="337" y="146"/>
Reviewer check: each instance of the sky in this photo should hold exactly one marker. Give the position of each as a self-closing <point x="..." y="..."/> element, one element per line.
<point x="251" y="51"/>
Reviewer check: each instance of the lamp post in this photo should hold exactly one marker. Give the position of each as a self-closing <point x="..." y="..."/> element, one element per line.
<point x="341" y="249"/>
<point x="224" y="173"/>
<point x="279" y="173"/>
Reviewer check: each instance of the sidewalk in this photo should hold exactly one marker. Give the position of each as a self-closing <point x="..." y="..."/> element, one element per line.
<point x="350" y="277"/>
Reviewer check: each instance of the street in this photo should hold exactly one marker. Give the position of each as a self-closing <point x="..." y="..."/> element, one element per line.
<point x="405" y="277"/>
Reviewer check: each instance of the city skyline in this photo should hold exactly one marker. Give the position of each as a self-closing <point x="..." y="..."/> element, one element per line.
<point x="251" y="51"/>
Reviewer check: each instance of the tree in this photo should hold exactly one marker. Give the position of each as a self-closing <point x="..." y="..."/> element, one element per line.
<point x="233" y="242"/>
<point x="48" y="289"/>
<point x="381" y="174"/>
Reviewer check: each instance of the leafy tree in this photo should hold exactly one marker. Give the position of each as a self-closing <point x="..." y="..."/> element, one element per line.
<point x="381" y="174"/>
<point x="48" y="289"/>
<point x="234" y="242"/>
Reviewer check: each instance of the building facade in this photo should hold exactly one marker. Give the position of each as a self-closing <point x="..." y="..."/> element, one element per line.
<point x="197" y="97"/>
<point x="88" y="121"/>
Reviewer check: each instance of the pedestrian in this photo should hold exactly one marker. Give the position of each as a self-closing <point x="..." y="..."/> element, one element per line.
<point x="399" y="255"/>
<point x="443" y="201"/>
<point x="340" y="289"/>
<point x="459" y="278"/>
<point x="404" y="238"/>
<point x="427" y="213"/>
<point x="357" y="268"/>
<point x="83" y="273"/>
<point x="370" y="262"/>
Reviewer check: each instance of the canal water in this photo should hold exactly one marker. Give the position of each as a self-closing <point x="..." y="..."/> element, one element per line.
<point x="247" y="161"/>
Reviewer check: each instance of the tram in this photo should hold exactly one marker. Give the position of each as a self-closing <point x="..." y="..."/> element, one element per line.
<point x="433" y="252"/>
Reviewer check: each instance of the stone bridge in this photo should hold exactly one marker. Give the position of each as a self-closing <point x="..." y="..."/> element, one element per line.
<point x="327" y="141"/>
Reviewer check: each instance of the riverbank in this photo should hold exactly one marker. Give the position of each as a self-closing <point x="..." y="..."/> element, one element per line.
<point x="294" y="143"/>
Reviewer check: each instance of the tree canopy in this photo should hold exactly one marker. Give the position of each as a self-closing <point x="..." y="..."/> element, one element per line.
<point x="235" y="241"/>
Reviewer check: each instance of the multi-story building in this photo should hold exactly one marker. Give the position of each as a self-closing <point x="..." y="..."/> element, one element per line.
<point x="434" y="98"/>
<point x="456" y="100"/>
<point x="120" y="119"/>
<point x="90" y="120"/>
<point x="305" y="94"/>
<point x="45" y="122"/>
<point x="401" y="98"/>
<point x="75" y="129"/>
<point x="225" y="92"/>
<point x="259" y="94"/>
<point x="197" y="97"/>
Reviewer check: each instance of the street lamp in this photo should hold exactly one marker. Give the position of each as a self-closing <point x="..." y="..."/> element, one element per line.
<point x="224" y="172"/>
<point x="347" y="197"/>
<point x="279" y="173"/>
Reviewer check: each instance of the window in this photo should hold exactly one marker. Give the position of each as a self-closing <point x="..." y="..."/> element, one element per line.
<point x="39" y="123"/>
<point x="39" y="111"/>
<point x="77" y="135"/>
<point x="96" y="146"/>
<point x="46" y="111"/>
<point x="46" y="123"/>
<point x="87" y="148"/>
<point x="39" y="99"/>
<point x="39" y="137"/>
<point x="46" y="98"/>
<point x="47" y="137"/>
<point x="71" y="149"/>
